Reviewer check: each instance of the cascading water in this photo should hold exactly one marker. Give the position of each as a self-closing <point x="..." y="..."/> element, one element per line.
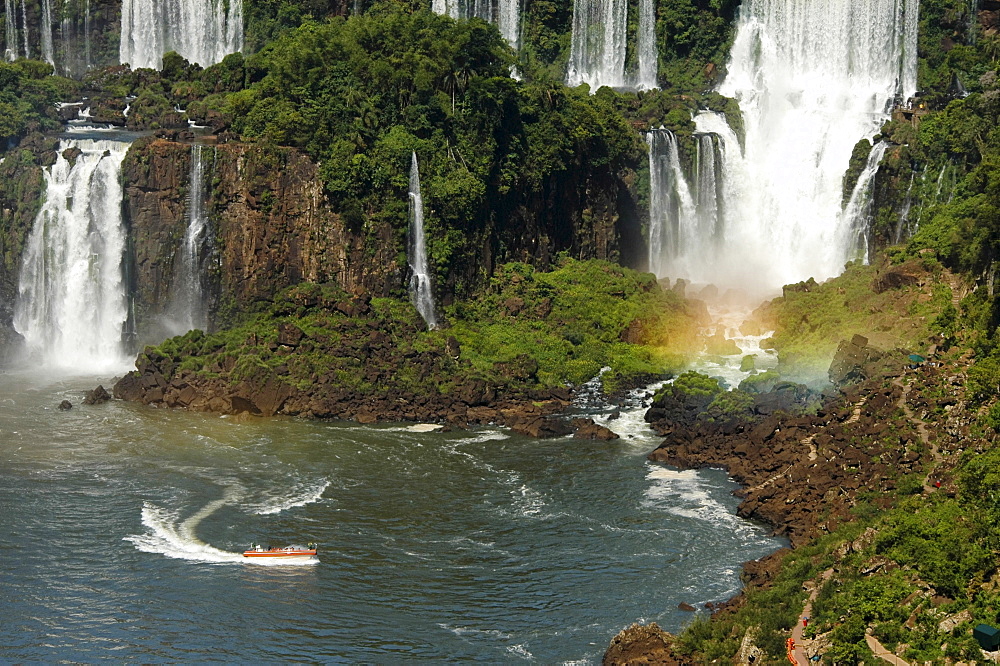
<point x="71" y="305"/>
<point x="812" y="79"/>
<point x="671" y="205"/>
<point x="47" y="51"/>
<point x="10" y="24"/>
<point x="646" y="45"/>
<point x="24" y="27"/>
<point x="420" y="279"/>
<point x="202" y="31"/>
<point x="506" y="14"/>
<point x="188" y="309"/>
<point x="857" y="214"/>
<point x="597" y="50"/>
<point x="600" y="40"/>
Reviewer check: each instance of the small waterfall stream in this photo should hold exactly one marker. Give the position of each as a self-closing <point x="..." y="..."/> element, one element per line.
<point x="420" y="279"/>
<point x="188" y="309"/>
<point x="202" y="31"/>
<point x="857" y="214"/>
<point x="71" y="306"/>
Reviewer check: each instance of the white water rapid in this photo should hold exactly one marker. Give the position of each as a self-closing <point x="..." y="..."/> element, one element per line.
<point x="599" y="44"/>
<point x="420" y="279"/>
<point x="202" y="31"/>
<point x="71" y="305"/>
<point x="812" y="79"/>
<point x="188" y="309"/>
<point x="506" y="14"/>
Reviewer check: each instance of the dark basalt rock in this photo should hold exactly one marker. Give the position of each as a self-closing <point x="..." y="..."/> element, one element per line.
<point x="65" y="405"/>
<point x="97" y="396"/>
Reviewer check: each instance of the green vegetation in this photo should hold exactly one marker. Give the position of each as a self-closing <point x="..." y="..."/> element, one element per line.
<point x="530" y="330"/>
<point x="811" y="319"/>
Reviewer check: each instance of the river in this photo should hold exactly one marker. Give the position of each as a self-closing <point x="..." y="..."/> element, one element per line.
<point x="122" y="527"/>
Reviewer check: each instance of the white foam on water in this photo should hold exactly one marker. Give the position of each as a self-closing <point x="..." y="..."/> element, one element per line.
<point x="520" y="651"/>
<point x="686" y="494"/>
<point x="167" y="536"/>
<point x="302" y="495"/>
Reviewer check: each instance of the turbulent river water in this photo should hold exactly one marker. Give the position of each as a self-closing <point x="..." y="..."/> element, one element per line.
<point x="122" y="526"/>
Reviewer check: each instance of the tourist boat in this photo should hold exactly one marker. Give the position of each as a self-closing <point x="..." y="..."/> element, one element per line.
<point x="286" y="554"/>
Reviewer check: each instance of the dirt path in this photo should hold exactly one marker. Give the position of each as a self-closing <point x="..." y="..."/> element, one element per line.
<point x="798" y="654"/>
<point x="925" y="436"/>
<point x="882" y="653"/>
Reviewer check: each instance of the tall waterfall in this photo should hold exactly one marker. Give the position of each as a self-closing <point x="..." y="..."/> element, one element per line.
<point x="420" y="279"/>
<point x="48" y="54"/>
<point x="71" y="305"/>
<point x="188" y="309"/>
<point x="506" y="14"/>
<point x="671" y="206"/>
<point x="24" y="27"/>
<point x="202" y="31"/>
<point x="812" y="79"/>
<point x="10" y="25"/>
<point x="599" y="42"/>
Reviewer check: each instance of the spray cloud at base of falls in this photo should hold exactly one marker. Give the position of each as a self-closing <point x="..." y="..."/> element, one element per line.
<point x="202" y="31"/>
<point x="71" y="306"/>
<point x="599" y="47"/>
<point x="416" y="255"/>
<point x="811" y="81"/>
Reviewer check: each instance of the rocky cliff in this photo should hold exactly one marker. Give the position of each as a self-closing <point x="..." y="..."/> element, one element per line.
<point x="272" y="228"/>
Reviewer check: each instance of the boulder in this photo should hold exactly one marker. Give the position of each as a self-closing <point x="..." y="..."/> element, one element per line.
<point x="96" y="396"/>
<point x="587" y="429"/>
<point x="65" y="405"/>
<point x="643" y="644"/>
<point x="541" y="427"/>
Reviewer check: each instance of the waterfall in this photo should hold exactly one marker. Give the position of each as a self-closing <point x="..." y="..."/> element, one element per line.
<point x="600" y="40"/>
<point x="672" y="210"/>
<point x="857" y="214"/>
<point x="646" y="45"/>
<point x="24" y="27"/>
<point x="812" y="79"/>
<point x="71" y="304"/>
<point x="506" y="14"/>
<point x="597" y="49"/>
<point x="47" y="52"/>
<point x="202" y="31"/>
<point x="86" y="36"/>
<point x="10" y="23"/>
<point x="509" y="21"/>
<point x="188" y="309"/>
<point x="420" y="280"/>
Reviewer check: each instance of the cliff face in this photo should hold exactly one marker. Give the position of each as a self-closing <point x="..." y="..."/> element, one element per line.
<point x="271" y="227"/>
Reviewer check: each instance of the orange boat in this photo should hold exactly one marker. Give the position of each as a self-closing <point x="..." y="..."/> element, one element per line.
<point x="286" y="554"/>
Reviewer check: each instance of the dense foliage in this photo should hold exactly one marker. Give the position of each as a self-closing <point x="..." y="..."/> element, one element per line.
<point x="530" y="330"/>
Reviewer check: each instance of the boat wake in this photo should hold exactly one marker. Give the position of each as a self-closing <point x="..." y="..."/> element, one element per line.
<point x="304" y="494"/>
<point x="168" y="535"/>
<point x="175" y="539"/>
